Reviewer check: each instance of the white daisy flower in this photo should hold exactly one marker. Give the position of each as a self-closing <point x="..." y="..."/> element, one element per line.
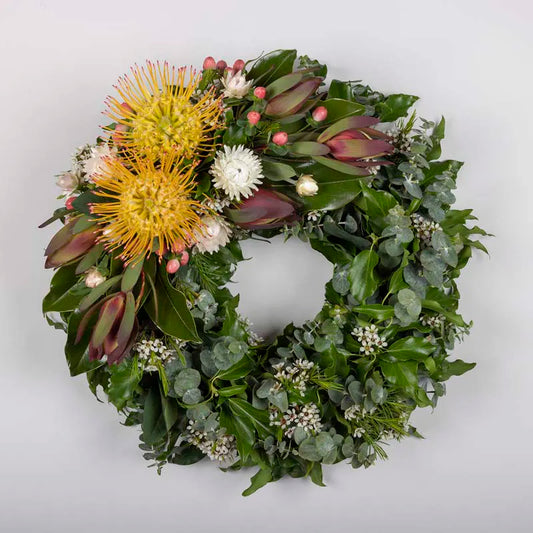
<point x="215" y="234"/>
<point x="237" y="171"/>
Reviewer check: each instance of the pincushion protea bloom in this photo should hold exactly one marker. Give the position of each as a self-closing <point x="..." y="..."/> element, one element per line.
<point x="161" y="112"/>
<point x="147" y="206"/>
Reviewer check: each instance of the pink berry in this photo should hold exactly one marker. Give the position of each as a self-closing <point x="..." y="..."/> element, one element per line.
<point x="209" y="63"/>
<point x="280" y="138"/>
<point x="320" y="113"/>
<point x="68" y="202"/>
<point x="238" y="65"/>
<point x="173" y="266"/>
<point x="253" y="117"/>
<point x="184" y="258"/>
<point x="221" y="65"/>
<point x="260" y="92"/>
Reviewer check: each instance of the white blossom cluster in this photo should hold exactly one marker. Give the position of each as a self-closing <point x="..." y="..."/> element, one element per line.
<point x="216" y="204"/>
<point x="314" y="216"/>
<point x="369" y="339"/>
<point x="152" y="351"/>
<point x="305" y="416"/>
<point x="423" y="227"/>
<point x="297" y="375"/>
<point x="356" y="414"/>
<point x="222" y="449"/>
<point x="400" y="140"/>
<point x="253" y="338"/>
<point x="434" y="322"/>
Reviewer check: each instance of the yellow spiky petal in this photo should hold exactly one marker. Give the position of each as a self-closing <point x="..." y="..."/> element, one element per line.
<point x="161" y="112"/>
<point x="146" y="205"/>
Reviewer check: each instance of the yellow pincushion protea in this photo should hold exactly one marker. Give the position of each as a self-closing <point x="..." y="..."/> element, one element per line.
<point x="161" y="112"/>
<point x="147" y="205"/>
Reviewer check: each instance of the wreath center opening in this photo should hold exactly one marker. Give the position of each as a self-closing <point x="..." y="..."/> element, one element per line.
<point x="282" y="282"/>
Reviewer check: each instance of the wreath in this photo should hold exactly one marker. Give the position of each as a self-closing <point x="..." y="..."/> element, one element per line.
<point x="194" y="162"/>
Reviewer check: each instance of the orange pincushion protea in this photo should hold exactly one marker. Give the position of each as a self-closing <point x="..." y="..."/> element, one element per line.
<point x="161" y="111"/>
<point x="147" y="205"/>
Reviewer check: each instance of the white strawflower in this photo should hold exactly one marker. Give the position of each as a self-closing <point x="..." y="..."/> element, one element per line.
<point x="306" y="185"/>
<point x="215" y="234"/>
<point x="235" y="85"/>
<point x="93" y="278"/>
<point x="97" y="160"/>
<point x="237" y="171"/>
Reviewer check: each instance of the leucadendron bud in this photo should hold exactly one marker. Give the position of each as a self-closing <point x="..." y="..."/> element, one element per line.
<point x="306" y="185"/>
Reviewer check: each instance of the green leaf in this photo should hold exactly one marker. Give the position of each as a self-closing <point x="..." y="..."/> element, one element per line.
<point x="316" y="475"/>
<point x="436" y="138"/>
<point x="242" y="409"/>
<point x="395" y="106"/>
<point x="96" y="293"/>
<point x="242" y="429"/>
<point x="335" y="188"/>
<point x="409" y="349"/>
<point x="153" y="422"/>
<point x="339" y="108"/>
<point x="188" y="378"/>
<point x="453" y="368"/>
<point x="123" y="382"/>
<point x="83" y="202"/>
<point x="65" y="292"/>
<point x="77" y="354"/>
<point x="272" y="66"/>
<point x="401" y="374"/>
<point x="90" y="258"/>
<point x="309" y="148"/>
<point x="169" y="407"/>
<point x="375" y="311"/>
<point x="410" y="301"/>
<point x="131" y="275"/>
<point x="363" y="279"/>
<point x="276" y="171"/>
<point x="167" y="307"/>
<point x="259" y="480"/>
<point x="376" y="205"/>
<point x="239" y="370"/>
<point x="308" y="450"/>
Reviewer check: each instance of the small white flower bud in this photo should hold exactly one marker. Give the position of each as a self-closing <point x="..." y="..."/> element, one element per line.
<point x="67" y="181"/>
<point x="306" y="185"/>
<point x="93" y="278"/>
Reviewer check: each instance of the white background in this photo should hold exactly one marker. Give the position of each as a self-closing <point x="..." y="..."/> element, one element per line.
<point x="65" y="462"/>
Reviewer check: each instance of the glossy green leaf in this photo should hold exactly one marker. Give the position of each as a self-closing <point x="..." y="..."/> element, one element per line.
<point x="362" y="275"/>
<point x="65" y="291"/>
<point x="272" y="66"/>
<point x="123" y="382"/>
<point x="395" y="106"/>
<point x="409" y="349"/>
<point x="339" y="109"/>
<point x="167" y="307"/>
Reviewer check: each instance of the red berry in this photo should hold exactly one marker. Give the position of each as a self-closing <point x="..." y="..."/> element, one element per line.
<point x="184" y="258"/>
<point x="320" y="113"/>
<point x="68" y="202"/>
<point x="238" y="65"/>
<point x="280" y="138"/>
<point x="209" y="63"/>
<point x="173" y="266"/>
<point x="253" y="117"/>
<point x="260" y="92"/>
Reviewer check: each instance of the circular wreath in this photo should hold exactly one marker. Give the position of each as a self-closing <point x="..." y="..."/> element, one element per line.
<point x="154" y="212"/>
